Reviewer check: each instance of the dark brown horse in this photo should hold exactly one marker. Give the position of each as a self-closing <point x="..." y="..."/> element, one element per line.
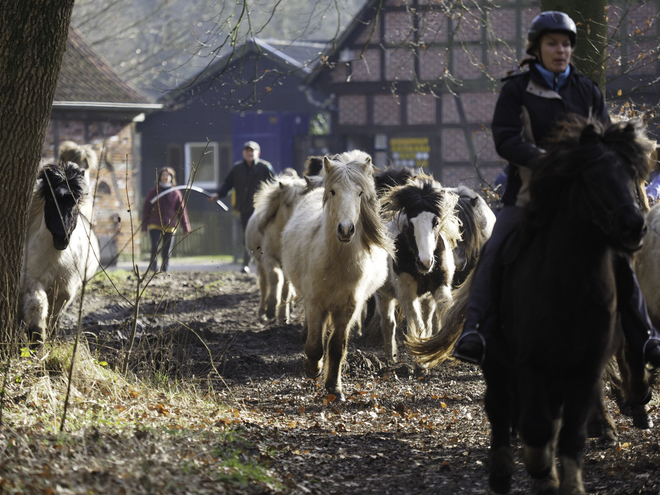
<point x="558" y="301"/>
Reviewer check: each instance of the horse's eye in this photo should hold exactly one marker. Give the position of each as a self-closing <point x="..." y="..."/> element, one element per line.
<point x="361" y="193"/>
<point x="332" y="191"/>
<point x="435" y="222"/>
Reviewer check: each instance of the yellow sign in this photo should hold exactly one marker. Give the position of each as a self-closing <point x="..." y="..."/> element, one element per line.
<point x="410" y="152"/>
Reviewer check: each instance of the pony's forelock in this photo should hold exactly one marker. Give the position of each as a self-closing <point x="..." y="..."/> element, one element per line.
<point x="62" y="176"/>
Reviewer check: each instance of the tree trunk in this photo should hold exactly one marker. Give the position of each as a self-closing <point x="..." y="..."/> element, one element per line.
<point x="32" y="42"/>
<point x="589" y="54"/>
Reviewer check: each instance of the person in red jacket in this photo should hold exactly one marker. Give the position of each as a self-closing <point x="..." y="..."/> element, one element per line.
<point x="162" y="217"/>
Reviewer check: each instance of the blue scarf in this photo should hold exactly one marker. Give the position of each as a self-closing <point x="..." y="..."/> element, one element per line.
<point x="555" y="81"/>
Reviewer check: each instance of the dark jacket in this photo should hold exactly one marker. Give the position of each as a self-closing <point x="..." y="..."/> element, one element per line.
<point x="526" y="113"/>
<point x="245" y="180"/>
<point x="164" y="213"/>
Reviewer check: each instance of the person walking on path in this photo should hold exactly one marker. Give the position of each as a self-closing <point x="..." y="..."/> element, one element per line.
<point x="162" y="217"/>
<point x="244" y="178"/>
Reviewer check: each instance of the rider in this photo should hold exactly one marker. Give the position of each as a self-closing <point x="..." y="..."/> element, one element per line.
<point x="528" y="108"/>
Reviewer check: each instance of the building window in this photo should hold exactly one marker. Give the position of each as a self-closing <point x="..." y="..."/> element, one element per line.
<point x="202" y="164"/>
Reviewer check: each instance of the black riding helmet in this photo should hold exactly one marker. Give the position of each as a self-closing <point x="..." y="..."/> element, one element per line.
<point x="551" y="21"/>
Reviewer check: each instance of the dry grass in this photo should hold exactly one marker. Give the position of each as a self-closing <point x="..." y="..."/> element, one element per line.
<point x="122" y="435"/>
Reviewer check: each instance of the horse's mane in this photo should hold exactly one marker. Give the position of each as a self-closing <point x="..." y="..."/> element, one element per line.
<point x="390" y="177"/>
<point x="82" y="155"/>
<point x="355" y="166"/>
<point x="61" y="177"/>
<point x="424" y="193"/>
<point x="578" y="145"/>
<point x="471" y="219"/>
<point x="282" y="190"/>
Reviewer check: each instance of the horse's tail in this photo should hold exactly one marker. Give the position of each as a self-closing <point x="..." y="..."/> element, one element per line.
<point x="436" y="349"/>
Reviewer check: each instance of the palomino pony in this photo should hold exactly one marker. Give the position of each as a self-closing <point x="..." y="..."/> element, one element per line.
<point x="557" y="298"/>
<point x="477" y="221"/>
<point x="274" y="203"/>
<point x="334" y="251"/>
<point x="426" y="231"/>
<point x="61" y="250"/>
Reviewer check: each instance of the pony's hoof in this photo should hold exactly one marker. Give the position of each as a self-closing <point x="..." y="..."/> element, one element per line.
<point x="312" y="369"/>
<point x="642" y="421"/>
<point x="608" y="440"/>
<point x="499" y="483"/>
<point x="340" y="397"/>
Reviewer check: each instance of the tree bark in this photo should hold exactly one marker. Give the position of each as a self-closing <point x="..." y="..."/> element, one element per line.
<point x="589" y="54"/>
<point x="32" y="43"/>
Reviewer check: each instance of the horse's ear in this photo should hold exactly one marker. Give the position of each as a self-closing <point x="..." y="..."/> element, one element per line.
<point x="589" y="134"/>
<point x="281" y="185"/>
<point x="327" y="165"/>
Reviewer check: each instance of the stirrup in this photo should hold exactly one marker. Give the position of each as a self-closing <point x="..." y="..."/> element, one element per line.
<point x="467" y="357"/>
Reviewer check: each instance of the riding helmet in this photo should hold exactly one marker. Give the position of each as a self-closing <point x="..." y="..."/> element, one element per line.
<point x="551" y="21"/>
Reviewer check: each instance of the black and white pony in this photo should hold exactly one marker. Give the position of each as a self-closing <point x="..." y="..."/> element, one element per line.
<point x="426" y="231"/>
<point x="61" y="250"/>
<point x="477" y="221"/>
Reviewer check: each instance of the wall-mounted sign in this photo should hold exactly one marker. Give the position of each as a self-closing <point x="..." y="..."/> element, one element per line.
<point x="410" y="152"/>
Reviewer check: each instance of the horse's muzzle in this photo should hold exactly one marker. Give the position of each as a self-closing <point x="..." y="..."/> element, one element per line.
<point x="60" y="244"/>
<point x="630" y="231"/>
<point x="345" y="232"/>
<point x="424" y="267"/>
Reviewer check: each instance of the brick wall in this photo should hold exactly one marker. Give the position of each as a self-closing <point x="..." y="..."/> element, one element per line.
<point x="450" y="110"/>
<point x="432" y="63"/>
<point x="484" y="146"/>
<point x="387" y="110"/>
<point x="368" y="67"/>
<point x="421" y="109"/>
<point x="454" y="146"/>
<point x="398" y="27"/>
<point x="433" y="27"/>
<point x="353" y="110"/>
<point x="399" y="64"/>
<point x="479" y="106"/>
<point x="467" y="24"/>
<point x="468" y="64"/>
<point x="502" y="24"/>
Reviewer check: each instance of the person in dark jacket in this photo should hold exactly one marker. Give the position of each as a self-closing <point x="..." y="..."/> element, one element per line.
<point x="162" y="217"/>
<point x="244" y="178"/>
<point x="528" y="109"/>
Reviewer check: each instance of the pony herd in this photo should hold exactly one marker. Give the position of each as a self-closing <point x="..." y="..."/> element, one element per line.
<point x="350" y="235"/>
<point x="414" y="243"/>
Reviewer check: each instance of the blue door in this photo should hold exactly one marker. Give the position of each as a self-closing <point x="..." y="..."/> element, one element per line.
<point x="273" y="131"/>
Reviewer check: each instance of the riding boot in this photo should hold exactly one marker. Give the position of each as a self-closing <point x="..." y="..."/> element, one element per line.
<point x="641" y="335"/>
<point x="481" y="315"/>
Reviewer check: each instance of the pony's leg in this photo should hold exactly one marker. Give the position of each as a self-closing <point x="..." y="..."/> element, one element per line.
<point x="600" y="424"/>
<point x="386" y="306"/>
<point x="34" y="308"/>
<point x="284" y="307"/>
<point x="579" y="397"/>
<point x="342" y="321"/>
<point x="275" y="280"/>
<point x="497" y="402"/>
<point x="316" y="320"/>
<point x="428" y="315"/>
<point x="539" y="423"/>
<point x="635" y="390"/>
<point x="263" y="288"/>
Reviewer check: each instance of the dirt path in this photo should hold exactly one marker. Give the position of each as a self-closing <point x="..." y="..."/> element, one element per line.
<point x="398" y="432"/>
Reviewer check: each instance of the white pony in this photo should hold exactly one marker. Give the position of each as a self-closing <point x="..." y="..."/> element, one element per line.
<point x="61" y="250"/>
<point x="274" y="203"/>
<point x="426" y="232"/>
<point x="334" y="251"/>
